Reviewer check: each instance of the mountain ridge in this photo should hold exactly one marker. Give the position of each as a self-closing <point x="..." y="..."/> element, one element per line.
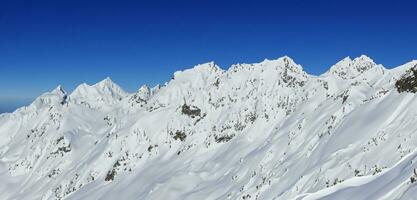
<point x="208" y="65"/>
<point x="266" y="130"/>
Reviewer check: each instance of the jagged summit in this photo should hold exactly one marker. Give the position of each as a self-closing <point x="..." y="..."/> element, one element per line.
<point x="349" y="69"/>
<point x="209" y="67"/>
<point x="144" y="91"/>
<point x="279" y="59"/>
<point x="198" y="73"/>
<point x="363" y="58"/>
<point x="59" y="90"/>
<point x="363" y="63"/>
<point x="282" y="64"/>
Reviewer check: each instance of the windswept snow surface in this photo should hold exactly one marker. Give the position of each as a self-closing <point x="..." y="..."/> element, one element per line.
<point x="266" y="130"/>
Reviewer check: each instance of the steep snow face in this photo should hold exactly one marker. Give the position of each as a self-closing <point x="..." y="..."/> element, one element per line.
<point x="103" y="93"/>
<point x="265" y="130"/>
<point x="55" y="97"/>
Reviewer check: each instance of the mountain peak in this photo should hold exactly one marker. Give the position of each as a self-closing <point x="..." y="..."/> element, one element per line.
<point x="203" y="70"/>
<point x="364" y="60"/>
<point x="105" y="82"/>
<point x="284" y="67"/>
<point x="364" y="57"/>
<point x="209" y="66"/>
<point x="284" y="63"/>
<point x="144" y="92"/>
<point x="349" y="69"/>
<point x="57" y="95"/>
<point x="144" y="89"/>
<point x="59" y="90"/>
<point x="105" y="90"/>
<point x="347" y="59"/>
<point x="285" y="59"/>
<point x="107" y="85"/>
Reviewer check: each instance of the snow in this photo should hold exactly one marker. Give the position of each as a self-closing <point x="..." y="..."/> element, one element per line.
<point x="265" y="130"/>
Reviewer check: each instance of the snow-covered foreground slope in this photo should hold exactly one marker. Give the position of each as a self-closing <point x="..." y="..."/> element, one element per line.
<point x="266" y="130"/>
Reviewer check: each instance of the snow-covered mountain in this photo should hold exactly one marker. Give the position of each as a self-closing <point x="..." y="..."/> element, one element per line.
<point x="266" y="130"/>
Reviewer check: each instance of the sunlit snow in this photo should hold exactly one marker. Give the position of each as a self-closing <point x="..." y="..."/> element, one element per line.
<point x="266" y="130"/>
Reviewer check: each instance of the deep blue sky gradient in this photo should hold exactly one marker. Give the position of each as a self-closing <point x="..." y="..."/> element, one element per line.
<point x="47" y="43"/>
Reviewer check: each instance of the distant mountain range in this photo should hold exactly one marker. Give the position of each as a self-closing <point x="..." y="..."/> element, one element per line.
<point x="265" y="130"/>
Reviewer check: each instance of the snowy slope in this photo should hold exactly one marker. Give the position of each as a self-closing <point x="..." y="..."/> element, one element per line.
<point x="266" y="130"/>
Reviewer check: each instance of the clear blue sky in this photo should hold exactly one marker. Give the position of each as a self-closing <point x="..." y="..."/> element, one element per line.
<point x="46" y="43"/>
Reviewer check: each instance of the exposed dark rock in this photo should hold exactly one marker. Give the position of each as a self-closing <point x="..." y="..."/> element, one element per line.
<point x="62" y="150"/>
<point x="59" y="139"/>
<point x="179" y="135"/>
<point x="112" y="173"/>
<point x="192" y="111"/>
<point x="408" y="82"/>
<point x="217" y="83"/>
<point x="223" y="138"/>
<point x="64" y="100"/>
<point x="151" y="147"/>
